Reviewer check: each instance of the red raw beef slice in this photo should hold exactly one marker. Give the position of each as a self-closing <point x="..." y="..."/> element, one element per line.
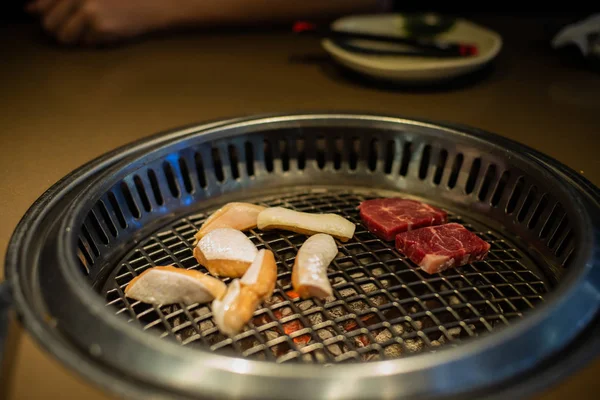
<point x="437" y="248"/>
<point x="387" y="217"/>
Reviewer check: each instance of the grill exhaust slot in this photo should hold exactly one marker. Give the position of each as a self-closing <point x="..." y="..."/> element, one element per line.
<point x="217" y="164"/>
<point x="171" y="179"/>
<point x="268" y="156"/>
<point x="499" y="192"/>
<point x="98" y="230"/>
<point x="107" y="219"/>
<point x="117" y="209"/>
<point x="406" y="158"/>
<point x="514" y="197"/>
<point x="285" y="155"/>
<point x="473" y="175"/>
<point x="455" y="171"/>
<point x="185" y="175"/>
<point x="200" y="171"/>
<point x="424" y="167"/>
<point x="131" y="204"/>
<point x="158" y="198"/>
<point x="249" y="151"/>
<point x="300" y="154"/>
<point x="354" y="153"/>
<point x="441" y="165"/>
<point x="489" y="177"/>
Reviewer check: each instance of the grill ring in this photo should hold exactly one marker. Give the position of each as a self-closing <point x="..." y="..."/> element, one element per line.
<point x="489" y="353"/>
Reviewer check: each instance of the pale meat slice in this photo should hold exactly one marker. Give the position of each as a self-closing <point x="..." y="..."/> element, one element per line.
<point x="169" y="285"/>
<point x="437" y="248"/>
<point x="386" y="217"/>
<point x="309" y="273"/>
<point x="225" y="252"/>
<point x="236" y="215"/>
<point x="262" y="274"/>
<point x="306" y="223"/>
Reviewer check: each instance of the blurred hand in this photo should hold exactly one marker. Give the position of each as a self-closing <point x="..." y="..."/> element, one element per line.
<point x="98" y="21"/>
<point x="104" y="21"/>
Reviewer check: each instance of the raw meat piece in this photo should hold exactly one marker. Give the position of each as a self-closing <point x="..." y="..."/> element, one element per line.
<point x="387" y="217"/>
<point x="436" y="248"/>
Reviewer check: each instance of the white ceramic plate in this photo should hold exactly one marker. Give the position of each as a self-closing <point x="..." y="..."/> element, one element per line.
<point x="412" y="68"/>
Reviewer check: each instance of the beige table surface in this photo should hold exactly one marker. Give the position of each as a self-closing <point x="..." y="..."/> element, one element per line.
<point x="61" y="107"/>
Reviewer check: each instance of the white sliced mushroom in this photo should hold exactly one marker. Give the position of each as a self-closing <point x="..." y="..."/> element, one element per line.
<point x="309" y="273"/>
<point x="236" y="215"/>
<point x="225" y="252"/>
<point x="235" y="308"/>
<point x="169" y="284"/>
<point x="306" y="223"/>
<point x="262" y="274"/>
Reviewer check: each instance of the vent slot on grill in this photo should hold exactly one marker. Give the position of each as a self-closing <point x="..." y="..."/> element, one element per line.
<point x="538" y="211"/>
<point x="390" y="153"/>
<point x="515" y="196"/>
<point x="131" y="204"/>
<point x="337" y="153"/>
<point x="158" y="198"/>
<point x="268" y="155"/>
<point x="85" y="259"/>
<point x="98" y="230"/>
<point x="373" y="154"/>
<point x="139" y="186"/>
<point x="473" y="174"/>
<point x="354" y="152"/>
<point x="321" y="148"/>
<point x="529" y="200"/>
<point x="171" y="179"/>
<point x="489" y="177"/>
<point x="550" y="221"/>
<point x="185" y="175"/>
<point x="301" y="154"/>
<point x="91" y="245"/>
<point x="107" y="219"/>
<point x="455" y="171"/>
<point x="441" y="165"/>
<point x="564" y="243"/>
<point x="249" y="153"/>
<point x="406" y="157"/>
<point x="558" y="233"/>
<point x="117" y="210"/>
<point x="500" y="188"/>
<point x="284" y="154"/>
<point x="424" y="167"/>
<point x="200" y="170"/>
<point x="217" y="164"/>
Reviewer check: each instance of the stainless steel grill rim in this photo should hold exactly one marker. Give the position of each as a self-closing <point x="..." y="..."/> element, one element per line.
<point x="560" y="299"/>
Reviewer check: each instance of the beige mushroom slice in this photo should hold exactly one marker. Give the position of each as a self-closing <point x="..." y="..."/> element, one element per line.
<point x="225" y="252"/>
<point x="235" y="308"/>
<point x="236" y="215"/>
<point x="309" y="273"/>
<point x="261" y="275"/>
<point x="169" y="285"/>
<point x="306" y="223"/>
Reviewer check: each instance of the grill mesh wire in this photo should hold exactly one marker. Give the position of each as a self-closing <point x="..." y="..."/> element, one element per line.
<point x="383" y="305"/>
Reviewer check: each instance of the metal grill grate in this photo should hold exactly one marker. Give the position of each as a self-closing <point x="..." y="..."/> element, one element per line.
<point x="383" y="305"/>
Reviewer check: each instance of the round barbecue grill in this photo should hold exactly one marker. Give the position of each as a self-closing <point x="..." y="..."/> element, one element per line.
<point x="515" y="321"/>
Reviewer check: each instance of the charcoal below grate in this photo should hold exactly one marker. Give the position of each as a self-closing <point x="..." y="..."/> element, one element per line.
<point x="383" y="306"/>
